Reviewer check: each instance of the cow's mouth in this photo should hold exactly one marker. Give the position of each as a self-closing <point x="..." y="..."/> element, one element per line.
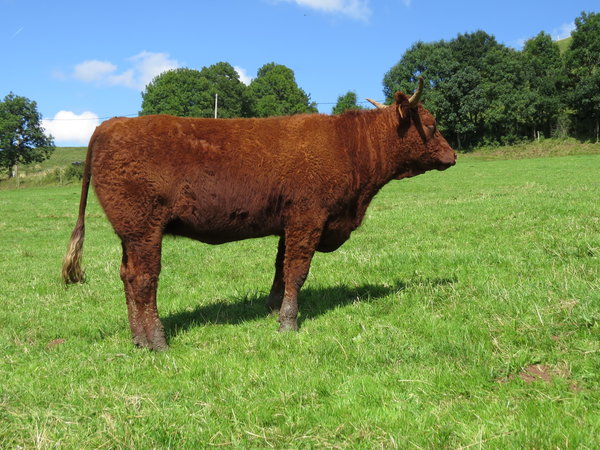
<point x="446" y="161"/>
<point x="409" y="173"/>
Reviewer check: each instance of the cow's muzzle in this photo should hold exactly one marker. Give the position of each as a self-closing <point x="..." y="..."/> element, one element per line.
<point x="446" y="160"/>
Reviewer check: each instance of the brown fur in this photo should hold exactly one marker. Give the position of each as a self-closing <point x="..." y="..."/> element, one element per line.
<point x="305" y="178"/>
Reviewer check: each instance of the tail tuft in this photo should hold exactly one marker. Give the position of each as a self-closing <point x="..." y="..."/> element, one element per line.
<point x="71" y="270"/>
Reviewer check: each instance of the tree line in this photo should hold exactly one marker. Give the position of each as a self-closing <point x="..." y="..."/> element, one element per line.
<point x="482" y="92"/>
<point x="196" y="93"/>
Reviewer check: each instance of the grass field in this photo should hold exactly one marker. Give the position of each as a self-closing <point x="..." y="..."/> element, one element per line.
<point x="464" y="313"/>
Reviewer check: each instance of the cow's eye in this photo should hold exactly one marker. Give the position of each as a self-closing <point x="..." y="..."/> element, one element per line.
<point x="431" y="128"/>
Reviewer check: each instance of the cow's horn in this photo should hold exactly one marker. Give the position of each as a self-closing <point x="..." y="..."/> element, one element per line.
<point x="376" y="103"/>
<point x="414" y="100"/>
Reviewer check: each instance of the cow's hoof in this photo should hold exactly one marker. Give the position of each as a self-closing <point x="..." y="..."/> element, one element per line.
<point x="158" y="343"/>
<point x="159" y="347"/>
<point x="141" y="341"/>
<point x="288" y="325"/>
<point x="154" y="346"/>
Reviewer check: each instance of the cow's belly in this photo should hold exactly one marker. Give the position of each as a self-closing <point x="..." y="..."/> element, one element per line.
<point x="334" y="235"/>
<point x="218" y="229"/>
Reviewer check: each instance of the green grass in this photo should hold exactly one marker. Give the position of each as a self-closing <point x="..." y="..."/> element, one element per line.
<point x="418" y="332"/>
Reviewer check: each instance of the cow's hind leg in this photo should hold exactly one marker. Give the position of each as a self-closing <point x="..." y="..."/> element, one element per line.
<point x="276" y="294"/>
<point x="140" y="269"/>
<point x="300" y="244"/>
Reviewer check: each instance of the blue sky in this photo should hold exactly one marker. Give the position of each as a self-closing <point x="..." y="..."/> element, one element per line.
<point x="85" y="61"/>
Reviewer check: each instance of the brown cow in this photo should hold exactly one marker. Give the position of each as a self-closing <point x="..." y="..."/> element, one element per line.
<point x="305" y="178"/>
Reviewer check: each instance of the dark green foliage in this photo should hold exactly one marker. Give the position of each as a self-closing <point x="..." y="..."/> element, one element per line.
<point x="191" y="93"/>
<point x="471" y="87"/>
<point x="583" y="71"/>
<point x="232" y="94"/>
<point x="179" y="92"/>
<point x="545" y="78"/>
<point x="22" y="138"/>
<point x="74" y="172"/>
<point x="483" y="92"/>
<point x="274" y="92"/>
<point x="345" y="103"/>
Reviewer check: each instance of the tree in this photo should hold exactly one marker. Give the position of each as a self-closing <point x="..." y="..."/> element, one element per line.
<point x="508" y="100"/>
<point x="462" y="107"/>
<point x="583" y="71"/>
<point x="452" y="91"/>
<point x="544" y="68"/>
<point x="433" y="61"/>
<point x="471" y="49"/>
<point x="233" y="96"/>
<point x="22" y="137"/>
<point x="191" y="93"/>
<point x="179" y="92"/>
<point x="345" y="103"/>
<point x="474" y="87"/>
<point x="274" y="92"/>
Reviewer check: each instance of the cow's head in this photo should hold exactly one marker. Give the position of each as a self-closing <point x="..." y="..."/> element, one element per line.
<point x="423" y="145"/>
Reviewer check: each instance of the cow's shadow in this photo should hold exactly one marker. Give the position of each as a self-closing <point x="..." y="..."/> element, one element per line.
<point x="313" y="302"/>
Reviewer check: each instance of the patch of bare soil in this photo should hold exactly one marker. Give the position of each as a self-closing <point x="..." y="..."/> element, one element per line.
<point x="55" y="343"/>
<point x="541" y="372"/>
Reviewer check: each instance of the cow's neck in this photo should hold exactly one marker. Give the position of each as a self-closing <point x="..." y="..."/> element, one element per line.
<point x="372" y="141"/>
<point x="376" y="147"/>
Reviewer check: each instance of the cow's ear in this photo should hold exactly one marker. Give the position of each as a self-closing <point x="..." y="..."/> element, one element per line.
<point x="403" y="106"/>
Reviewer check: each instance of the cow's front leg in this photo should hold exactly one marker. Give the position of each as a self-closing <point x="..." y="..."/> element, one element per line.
<point x="276" y="294"/>
<point x="300" y="245"/>
<point x="139" y="271"/>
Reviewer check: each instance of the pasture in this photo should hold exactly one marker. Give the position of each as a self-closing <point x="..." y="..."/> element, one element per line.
<point x="464" y="312"/>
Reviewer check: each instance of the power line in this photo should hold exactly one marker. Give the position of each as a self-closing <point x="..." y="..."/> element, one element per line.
<point x="90" y="118"/>
<point x="136" y="114"/>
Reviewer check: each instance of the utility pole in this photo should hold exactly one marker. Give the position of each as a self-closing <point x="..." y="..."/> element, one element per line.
<point x="216" y="104"/>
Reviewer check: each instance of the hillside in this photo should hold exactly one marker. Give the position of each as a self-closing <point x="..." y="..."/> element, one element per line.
<point x="564" y="44"/>
<point x="51" y="171"/>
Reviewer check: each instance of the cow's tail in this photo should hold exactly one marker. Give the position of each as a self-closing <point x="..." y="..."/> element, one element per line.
<point x="71" y="269"/>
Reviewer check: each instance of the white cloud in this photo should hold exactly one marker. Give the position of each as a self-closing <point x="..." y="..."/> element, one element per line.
<point x="147" y="65"/>
<point x="564" y="31"/>
<point x="126" y="79"/>
<point x="519" y="44"/>
<point x="69" y="128"/>
<point x="93" y="70"/>
<point x="357" y="9"/>
<point x="144" y="67"/>
<point x="244" y="77"/>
